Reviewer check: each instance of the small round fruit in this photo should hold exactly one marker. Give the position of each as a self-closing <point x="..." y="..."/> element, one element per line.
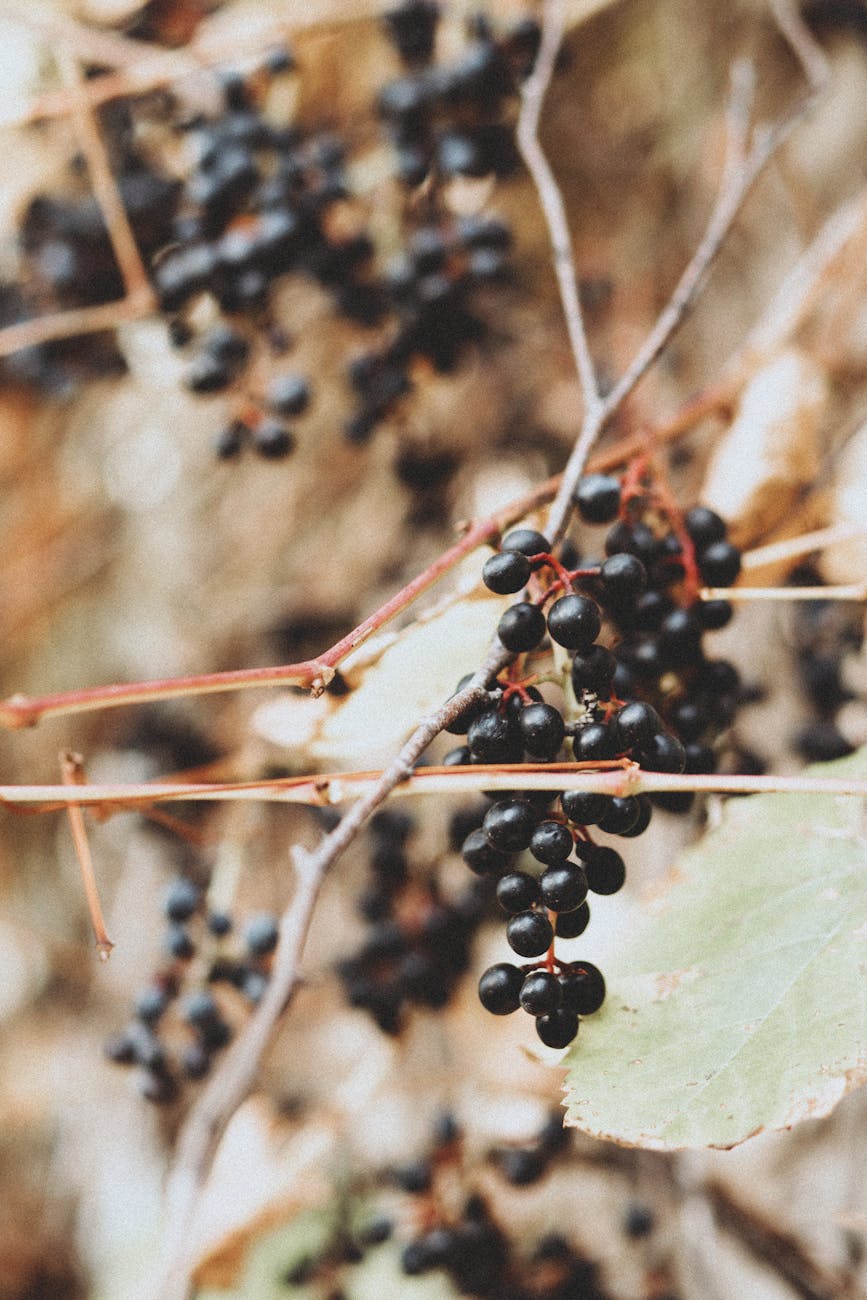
<point x="500" y="988"/>
<point x="558" y="1029"/>
<point x="529" y="934"/>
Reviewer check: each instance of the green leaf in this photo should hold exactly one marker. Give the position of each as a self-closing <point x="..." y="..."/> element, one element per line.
<point x="737" y="1003"/>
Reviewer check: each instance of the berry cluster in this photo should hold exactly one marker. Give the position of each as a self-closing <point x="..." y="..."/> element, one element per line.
<point x="632" y="626"/>
<point x="448" y="119"/>
<point x="260" y="200"/>
<point x="180" y="1022"/>
<point x="419" y="942"/>
<point x="825" y="633"/>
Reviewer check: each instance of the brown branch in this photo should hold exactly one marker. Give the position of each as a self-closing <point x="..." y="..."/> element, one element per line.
<point x="23" y="711"/>
<point x="551" y="199"/>
<point x="78" y="320"/>
<point x="72" y="772"/>
<point x="232" y="1082"/>
<point x="778" y="1250"/>
<point x="619" y="777"/>
<point x="123" y="241"/>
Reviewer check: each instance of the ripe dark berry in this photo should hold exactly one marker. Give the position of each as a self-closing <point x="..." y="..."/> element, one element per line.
<point x="414" y="1177"/>
<point x="219" y="923"/>
<point x="594" y="743"/>
<point x="177" y="942"/>
<point x="151" y="1003"/>
<point x="522" y="1166"/>
<point x="261" y="934"/>
<point x="460" y="725"/>
<point x="529" y="934"/>
<point x="704" y="526"/>
<point x="500" y="988"/>
<point x="230" y="440"/>
<point x="597" y="497"/>
<point x="527" y="541"/>
<point x="506" y="573"/>
<point x="720" y="564"/>
<point x="583" y="809"/>
<point x="605" y="870"/>
<point x="665" y="753"/>
<point x="564" y="887"/>
<point x="641" y="823"/>
<point x="574" y="622"/>
<point x="201" y="1010"/>
<point x="594" y="671"/>
<point x="509" y="825"/>
<point x="288" y="395"/>
<point x="181" y="900"/>
<point x="551" y="842"/>
<point x="713" y="614"/>
<point x="480" y="855"/>
<point x="540" y="993"/>
<point x="679" y="639"/>
<point x="272" y="439"/>
<point x="571" y="924"/>
<point x="558" y="1029"/>
<point x="542" y="730"/>
<point x="517" y="891"/>
<point x="623" y="578"/>
<point x="521" y="627"/>
<point x="583" y="988"/>
<point x="635" y="725"/>
<point x="620" y="816"/>
<point x="493" y="739"/>
<point x="687" y="719"/>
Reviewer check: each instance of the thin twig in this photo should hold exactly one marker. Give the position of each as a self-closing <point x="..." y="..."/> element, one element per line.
<point x="78" y="320"/>
<point x="120" y="233"/>
<point x="819" y="540"/>
<point x="855" y="591"/>
<point x="808" y="51"/>
<point x="551" y="199"/>
<point x="72" y="771"/>
<point x="230" y="1085"/>
<point x="616" y="778"/>
<point x="23" y="711"/>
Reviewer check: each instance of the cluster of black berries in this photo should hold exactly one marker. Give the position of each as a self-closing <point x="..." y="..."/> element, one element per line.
<point x="448" y="119"/>
<point x="633" y="626"/>
<point x="181" y="998"/>
<point x="419" y="942"/>
<point x="65" y="260"/>
<point x="825" y="632"/>
<point x="471" y="1247"/>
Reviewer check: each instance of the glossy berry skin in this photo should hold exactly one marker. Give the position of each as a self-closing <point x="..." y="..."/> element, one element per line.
<point x="594" y="743"/>
<point x="574" y="622"/>
<point x="582" y="989"/>
<point x="571" y="924"/>
<point x="527" y="541"/>
<point x="635" y="725"/>
<point x="605" y="871"/>
<point x="621" y="815"/>
<point x="540" y="993"/>
<point x="564" y="887"/>
<point x="714" y="614"/>
<point x="551" y="842"/>
<point x="521" y="627"/>
<point x="500" y="989"/>
<point x="542" y="730"/>
<point x="704" y="526"/>
<point x="640" y="825"/>
<point x="492" y="739"/>
<point x="597" y="498"/>
<point x="506" y="573"/>
<point x="517" y="892"/>
<point x="558" y="1029"/>
<point x="665" y="753"/>
<point x="594" y="671"/>
<point x="680" y="639"/>
<point x="509" y="825"/>
<point x="480" y="855"/>
<point x="720" y="564"/>
<point x="623" y="578"/>
<point x="529" y="934"/>
<point x="583" y="809"/>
